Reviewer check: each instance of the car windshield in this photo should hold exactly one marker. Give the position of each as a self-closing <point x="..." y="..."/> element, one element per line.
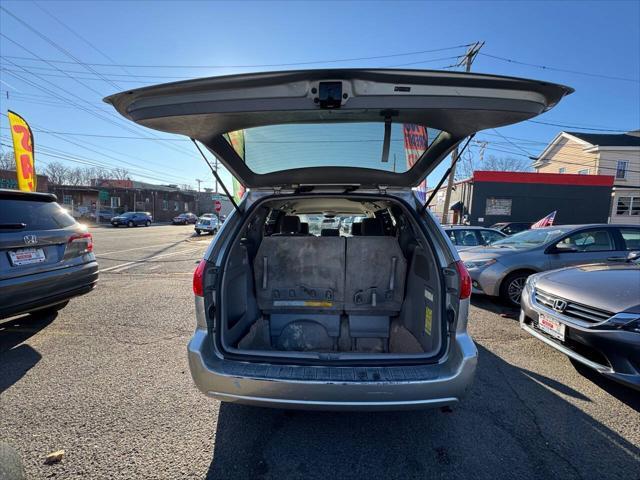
<point x="530" y="238"/>
<point x="283" y="147"/>
<point x="128" y="214"/>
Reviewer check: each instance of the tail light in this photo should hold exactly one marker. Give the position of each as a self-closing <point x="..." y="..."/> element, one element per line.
<point x="82" y="241"/>
<point x="465" y="280"/>
<point x="198" y="278"/>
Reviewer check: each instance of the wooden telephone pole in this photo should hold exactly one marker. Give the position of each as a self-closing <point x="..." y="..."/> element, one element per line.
<point x="467" y="60"/>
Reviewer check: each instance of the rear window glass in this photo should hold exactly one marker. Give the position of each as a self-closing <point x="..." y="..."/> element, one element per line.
<point x="283" y="147"/>
<point x="36" y="215"/>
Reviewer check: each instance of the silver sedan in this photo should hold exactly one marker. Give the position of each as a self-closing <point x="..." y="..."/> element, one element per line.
<point x="501" y="269"/>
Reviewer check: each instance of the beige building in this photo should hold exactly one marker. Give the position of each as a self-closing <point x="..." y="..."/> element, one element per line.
<point x="600" y="154"/>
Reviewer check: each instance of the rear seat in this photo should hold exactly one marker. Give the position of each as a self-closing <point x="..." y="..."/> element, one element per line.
<point x="300" y="278"/>
<point x="374" y="284"/>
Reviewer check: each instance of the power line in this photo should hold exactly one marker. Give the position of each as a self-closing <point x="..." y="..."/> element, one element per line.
<point x="575" y="126"/>
<point x="509" y="141"/>
<point x="66" y="75"/>
<point x="85" y="40"/>
<point x="108" y="75"/>
<point x="556" y="69"/>
<point x="564" y="162"/>
<point x="288" y="64"/>
<point x="54" y="44"/>
<point x="76" y="134"/>
<point x="84" y="108"/>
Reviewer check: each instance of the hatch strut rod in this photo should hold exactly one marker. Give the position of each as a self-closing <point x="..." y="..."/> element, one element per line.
<point x="215" y="174"/>
<point x="446" y="174"/>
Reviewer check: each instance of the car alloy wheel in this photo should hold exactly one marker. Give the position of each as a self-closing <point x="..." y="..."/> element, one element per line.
<point x="197" y="232"/>
<point x="129" y="223"/>
<point x="514" y="287"/>
<point x="147" y="223"/>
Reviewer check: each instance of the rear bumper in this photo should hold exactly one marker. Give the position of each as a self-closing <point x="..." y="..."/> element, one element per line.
<point x="41" y="290"/>
<point x="333" y="388"/>
<point x="205" y="228"/>
<point x="614" y="353"/>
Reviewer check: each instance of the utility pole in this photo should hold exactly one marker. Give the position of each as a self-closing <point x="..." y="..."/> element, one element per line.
<point x="467" y="60"/>
<point x="215" y="166"/>
<point x="198" y="196"/>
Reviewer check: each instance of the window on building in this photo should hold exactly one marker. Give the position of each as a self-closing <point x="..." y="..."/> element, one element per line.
<point x="621" y="169"/>
<point x="562" y="170"/>
<point x="176" y="206"/>
<point x="628" y="206"/>
<point x="584" y="171"/>
<point x="498" y="206"/>
<point x="631" y="237"/>
<point x="165" y="204"/>
<point x="186" y="206"/>
<point x="146" y="200"/>
<point x="67" y="199"/>
<point x="115" y="202"/>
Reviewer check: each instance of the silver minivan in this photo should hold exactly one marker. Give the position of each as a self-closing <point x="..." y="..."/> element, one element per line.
<point x="372" y="319"/>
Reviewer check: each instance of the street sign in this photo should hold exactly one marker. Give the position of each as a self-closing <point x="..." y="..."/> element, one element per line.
<point x="103" y="195"/>
<point x="217" y="205"/>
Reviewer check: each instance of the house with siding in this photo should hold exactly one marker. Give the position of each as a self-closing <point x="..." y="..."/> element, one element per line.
<point x="600" y="154"/>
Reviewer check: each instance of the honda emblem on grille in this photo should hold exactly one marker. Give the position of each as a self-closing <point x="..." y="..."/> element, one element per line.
<point x="30" y="239"/>
<point x="559" y="305"/>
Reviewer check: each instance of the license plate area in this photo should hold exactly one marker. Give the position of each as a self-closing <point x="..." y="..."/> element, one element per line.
<point x="551" y="327"/>
<point x="26" y="256"/>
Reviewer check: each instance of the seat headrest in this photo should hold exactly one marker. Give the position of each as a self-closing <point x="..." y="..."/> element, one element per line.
<point x="330" y="232"/>
<point x="356" y="229"/>
<point x="372" y="227"/>
<point x="290" y="224"/>
<point x="304" y="228"/>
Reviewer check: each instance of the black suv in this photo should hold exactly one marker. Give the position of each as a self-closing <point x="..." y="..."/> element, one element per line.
<point x="46" y="257"/>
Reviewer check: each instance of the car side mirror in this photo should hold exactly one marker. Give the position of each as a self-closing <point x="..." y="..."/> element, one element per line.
<point x="633" y="256"/>
<point x="562" y="248"/>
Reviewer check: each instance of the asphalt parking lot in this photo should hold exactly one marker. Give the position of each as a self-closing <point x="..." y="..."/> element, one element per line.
<point x="107" y="380"/>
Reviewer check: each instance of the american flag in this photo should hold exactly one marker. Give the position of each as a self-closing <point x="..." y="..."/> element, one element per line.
<point x="546" y="221"/>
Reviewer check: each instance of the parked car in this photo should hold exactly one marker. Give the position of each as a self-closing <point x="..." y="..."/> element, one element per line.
<point x="590" y="313"/>
<point x="132" y="219"/>
<point x="511" y="228"/>
<point x="465" y="237"/>
<point x="185" y="219"/>
<point x="207" y="223"/>
<point x="501" y="269"/>
<point x="46" y="257"/>
<point x="380" y="318"/>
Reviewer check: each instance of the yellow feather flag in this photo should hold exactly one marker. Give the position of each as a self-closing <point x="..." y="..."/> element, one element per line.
<point x="23" y="149"/>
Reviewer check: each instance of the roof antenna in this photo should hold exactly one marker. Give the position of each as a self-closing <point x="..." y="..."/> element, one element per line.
<point x="215" y="174"/>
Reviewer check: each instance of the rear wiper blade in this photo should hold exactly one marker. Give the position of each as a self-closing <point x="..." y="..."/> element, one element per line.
<point x="12" y="226"/>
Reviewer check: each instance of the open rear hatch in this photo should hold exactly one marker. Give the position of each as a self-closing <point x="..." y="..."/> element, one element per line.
<point x="335" y="296"/>
<point x="408" y="120"/>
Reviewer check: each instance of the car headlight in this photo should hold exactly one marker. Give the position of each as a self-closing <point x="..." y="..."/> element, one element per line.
<point x="475" y="264"/>
<point x="531" y="282"/>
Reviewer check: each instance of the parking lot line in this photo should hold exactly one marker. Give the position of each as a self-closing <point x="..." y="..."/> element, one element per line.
<point x="124" y="266"/>
<point x="140" y="248"/>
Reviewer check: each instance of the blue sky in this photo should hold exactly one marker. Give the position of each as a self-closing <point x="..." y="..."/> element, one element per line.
<point x="599" y="38"/>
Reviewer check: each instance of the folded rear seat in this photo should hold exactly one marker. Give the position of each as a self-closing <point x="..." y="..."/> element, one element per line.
<point x="300" y="279"/>
<point x="374" y="284"/>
